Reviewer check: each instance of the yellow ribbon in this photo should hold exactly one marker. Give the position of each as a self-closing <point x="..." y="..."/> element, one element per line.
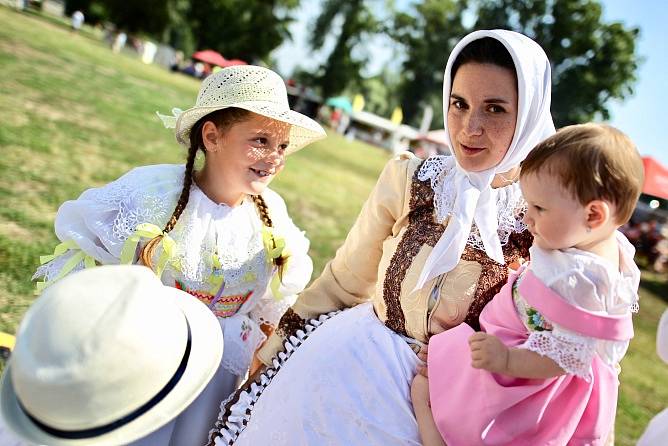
<point x="275" y="247"/>
<point x="273" y="244"/>
<point x="71" y="263"/>
<point x="216" y="280"/>
<point x="150" y="231"/>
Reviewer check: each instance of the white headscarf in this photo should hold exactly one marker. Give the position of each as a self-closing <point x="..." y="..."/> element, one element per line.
<point x="475" y="199"/>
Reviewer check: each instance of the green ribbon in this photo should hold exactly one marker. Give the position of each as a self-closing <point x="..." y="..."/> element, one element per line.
<point x="150" y="231"/>
<point x="72" y="262"/>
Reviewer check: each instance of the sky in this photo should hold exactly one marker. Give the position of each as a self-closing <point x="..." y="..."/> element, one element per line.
<point x="640" y="116"/>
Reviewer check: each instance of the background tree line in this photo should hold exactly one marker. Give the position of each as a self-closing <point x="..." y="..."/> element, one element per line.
<point x="593" y="61"/>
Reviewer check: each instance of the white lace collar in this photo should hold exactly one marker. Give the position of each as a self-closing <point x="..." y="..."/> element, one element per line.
<point x="510" y="204"/>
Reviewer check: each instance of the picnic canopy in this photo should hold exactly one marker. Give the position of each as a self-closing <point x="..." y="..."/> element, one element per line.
<point x="656" y="178"/>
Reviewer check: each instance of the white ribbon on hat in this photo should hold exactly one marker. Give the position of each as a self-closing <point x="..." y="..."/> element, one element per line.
<point x="170" y="121"/>
<point x="475" y="199"/>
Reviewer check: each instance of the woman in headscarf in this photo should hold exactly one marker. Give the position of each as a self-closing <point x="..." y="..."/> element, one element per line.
<point x="438" y="232"/>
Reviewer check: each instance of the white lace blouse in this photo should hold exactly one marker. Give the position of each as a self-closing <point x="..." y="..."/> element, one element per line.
<point x="589" y="282"/>
<point x="218" y="252"/>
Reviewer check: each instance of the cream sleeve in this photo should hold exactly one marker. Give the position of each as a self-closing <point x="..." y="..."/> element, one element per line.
<point x="349" y="278"/>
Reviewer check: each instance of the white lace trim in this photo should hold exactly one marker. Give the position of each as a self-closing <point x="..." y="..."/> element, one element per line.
<point x="573" y="353"/>
<point x="269" y="311"/>
<point x="49" y="271"/>
<point x="510" y="205"/>
<point x="230" y="425"/>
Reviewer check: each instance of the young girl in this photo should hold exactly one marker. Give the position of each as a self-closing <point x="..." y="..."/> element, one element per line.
<point x="217" y="232"/>
<point x="544" y="367"/>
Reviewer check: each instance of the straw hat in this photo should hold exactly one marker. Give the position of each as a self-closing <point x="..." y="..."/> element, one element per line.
<point x="252" y="88"/>
<point x="106" y="356"/>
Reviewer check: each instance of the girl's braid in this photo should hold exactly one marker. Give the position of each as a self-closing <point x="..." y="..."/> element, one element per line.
<point x="263" y="210"/>
<point x="146" y="255"/>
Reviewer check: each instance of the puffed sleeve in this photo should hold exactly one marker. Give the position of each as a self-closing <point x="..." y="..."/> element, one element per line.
<point x="583" y="280"/>
<point x="349" y="278"/>
<point x="298" y="272"/>
<point x="93" y="228"/>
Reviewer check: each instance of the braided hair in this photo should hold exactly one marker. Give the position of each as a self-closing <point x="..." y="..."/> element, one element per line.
<point x="262" y="209"/>
<point x="223" y="119"/>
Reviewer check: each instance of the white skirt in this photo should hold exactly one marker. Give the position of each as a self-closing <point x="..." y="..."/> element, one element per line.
<point x="348" y="383"/>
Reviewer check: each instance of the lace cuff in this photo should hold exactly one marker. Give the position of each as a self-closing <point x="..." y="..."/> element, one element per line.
<point x="269" y="310"/>
<point x="571" y="352"/>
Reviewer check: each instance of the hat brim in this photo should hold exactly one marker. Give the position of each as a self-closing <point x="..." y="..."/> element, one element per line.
<point x="205" y="356"/>
<point x="303" y="130"/>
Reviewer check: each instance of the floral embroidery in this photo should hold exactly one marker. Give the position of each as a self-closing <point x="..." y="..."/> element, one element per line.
<point x="536" y="321"/>
<point x="494" y="275"/>
<point x="289" y="324"/>
<point x="422" y="229"/>
<point x="245" y="331"/>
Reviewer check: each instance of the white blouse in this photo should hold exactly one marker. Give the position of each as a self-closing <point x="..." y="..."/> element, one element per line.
<point x="587" y="281"/>
<point x="218" y="253"/>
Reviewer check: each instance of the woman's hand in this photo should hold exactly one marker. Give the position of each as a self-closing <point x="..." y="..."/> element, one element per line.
<point x="256" y="363"/>
<point x="488" y="353"/>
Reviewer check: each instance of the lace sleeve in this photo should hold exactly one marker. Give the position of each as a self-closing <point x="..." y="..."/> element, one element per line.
<point x="572" y="352"/>
<point x="101" y="219"/>
<point x="50" y="270"/>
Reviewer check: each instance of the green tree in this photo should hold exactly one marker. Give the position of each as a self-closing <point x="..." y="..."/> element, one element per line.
<point x="147" y="16"/>
<point x="357" y="23"/>
<point x="245" y="29"/>
<point x="428" y="33"/>
<point x="592" y="61"/>
<point x="178" y="32"/>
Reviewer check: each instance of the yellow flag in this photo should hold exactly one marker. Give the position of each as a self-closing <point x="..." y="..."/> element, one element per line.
<point x="397" y="116"/>
<point x="358" y="102"/>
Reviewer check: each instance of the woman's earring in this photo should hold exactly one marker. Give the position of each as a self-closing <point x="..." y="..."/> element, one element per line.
<point x="588" y="229"/>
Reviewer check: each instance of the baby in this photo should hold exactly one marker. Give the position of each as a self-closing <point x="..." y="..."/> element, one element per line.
<point x="543" y="370"/>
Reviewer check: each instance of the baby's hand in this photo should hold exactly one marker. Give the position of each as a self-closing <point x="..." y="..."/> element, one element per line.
<point x="488" y="352"/>
<point x="422" y="354"/>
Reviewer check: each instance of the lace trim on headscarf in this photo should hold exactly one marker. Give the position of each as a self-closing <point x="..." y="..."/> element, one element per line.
<point x="510" y="205"/>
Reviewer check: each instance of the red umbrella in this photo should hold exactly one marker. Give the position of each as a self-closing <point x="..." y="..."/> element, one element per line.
<point x="210" y="56"/>
<point x="656" y="178"/>
<point x="230" y="62"/>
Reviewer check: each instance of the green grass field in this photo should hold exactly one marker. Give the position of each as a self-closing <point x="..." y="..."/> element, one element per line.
<point x="74" y="116"/>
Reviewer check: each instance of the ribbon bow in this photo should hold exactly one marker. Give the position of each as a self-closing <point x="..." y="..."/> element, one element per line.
<point x="275" y="248"/>
<point x="148" y="230"/>
<point x="170" y="121"/>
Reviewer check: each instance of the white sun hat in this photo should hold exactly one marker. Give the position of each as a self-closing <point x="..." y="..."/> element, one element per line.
<point x="105" y="357"/>
<point x="251" y="88"/>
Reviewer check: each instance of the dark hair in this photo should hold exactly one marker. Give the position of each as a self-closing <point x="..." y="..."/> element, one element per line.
<point x="223" y="119"/>
<point x="484" y="50"/>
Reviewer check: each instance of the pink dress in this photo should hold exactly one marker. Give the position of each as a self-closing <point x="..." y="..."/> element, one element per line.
<point x="476" y="407"/>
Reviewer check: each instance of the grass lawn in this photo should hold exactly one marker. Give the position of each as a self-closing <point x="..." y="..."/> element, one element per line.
<point x="76" y="116"/>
